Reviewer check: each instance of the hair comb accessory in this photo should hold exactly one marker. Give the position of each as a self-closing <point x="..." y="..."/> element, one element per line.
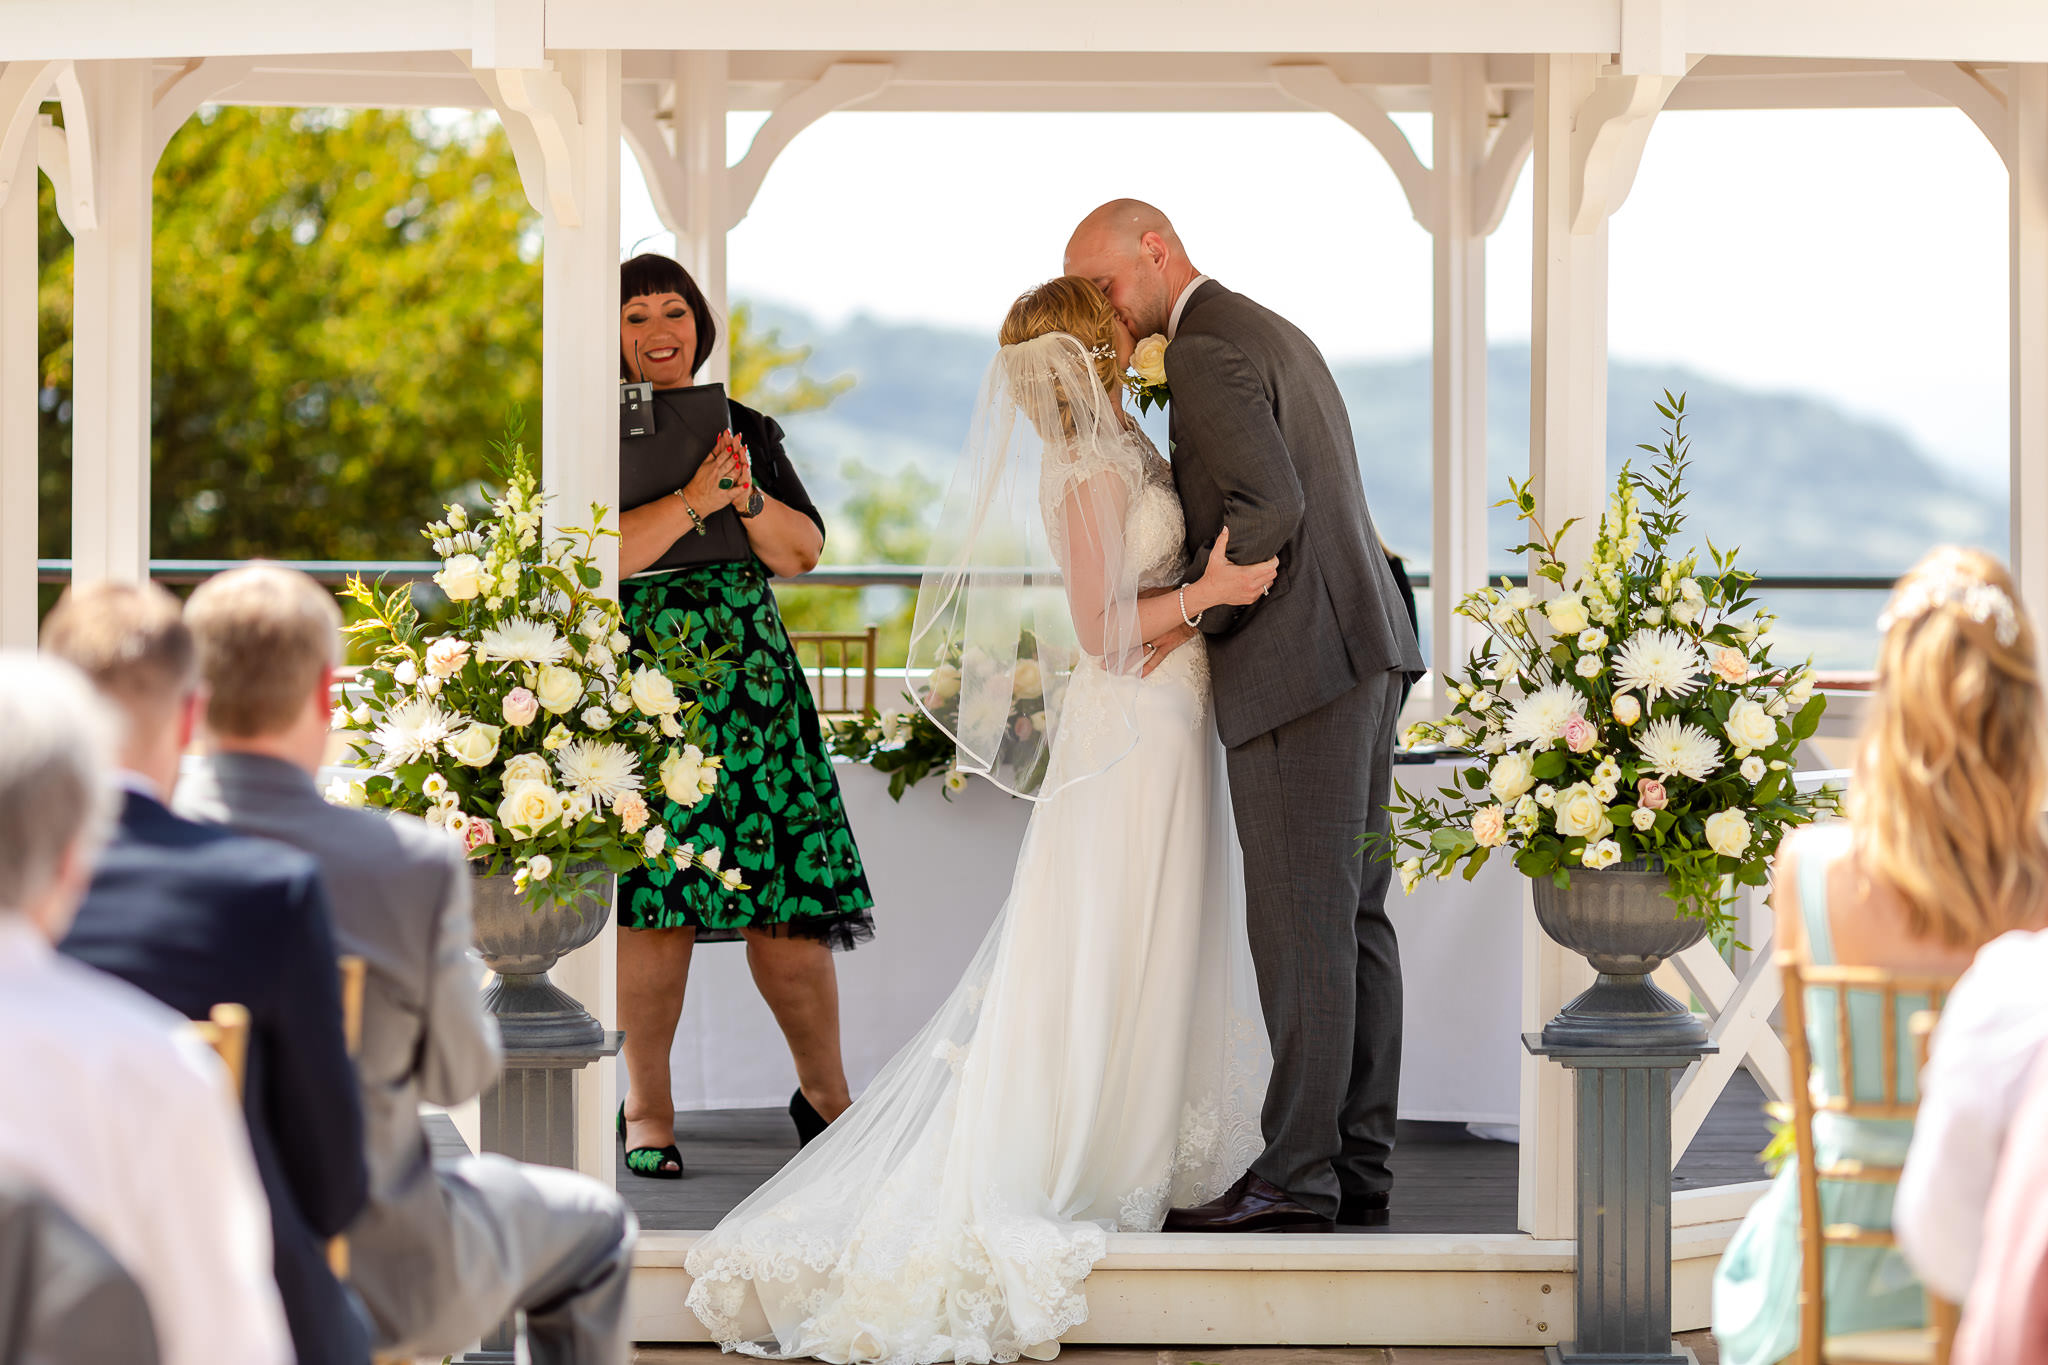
<point x="1102" y="352"/>
<point x="1984" y="603"/>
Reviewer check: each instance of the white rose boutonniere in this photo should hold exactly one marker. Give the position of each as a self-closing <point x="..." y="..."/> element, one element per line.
<point x="1147" y="377"/>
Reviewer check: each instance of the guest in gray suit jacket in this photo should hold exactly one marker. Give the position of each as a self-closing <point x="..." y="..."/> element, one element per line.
<point x="445" y="1250"/>
<point x="1308" y="687"/>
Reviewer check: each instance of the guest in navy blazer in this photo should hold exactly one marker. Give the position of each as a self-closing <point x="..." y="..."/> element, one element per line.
<point x="197" y="915"/>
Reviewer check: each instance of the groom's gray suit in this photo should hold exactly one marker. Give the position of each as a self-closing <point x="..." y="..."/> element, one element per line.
<point x="1308" y="684"/>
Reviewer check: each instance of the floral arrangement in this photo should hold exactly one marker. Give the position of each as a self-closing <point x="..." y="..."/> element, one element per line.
<point x="1146" y="378"/>
<point x="909" y="745"/>
<point x="1634" y="714"/>
<point x="525" y="726"/>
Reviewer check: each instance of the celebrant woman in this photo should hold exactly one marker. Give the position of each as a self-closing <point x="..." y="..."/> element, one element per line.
<point x="696" y="560"/>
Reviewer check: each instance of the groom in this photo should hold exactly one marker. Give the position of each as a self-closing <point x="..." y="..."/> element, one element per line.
<point x="1308" y="684"/>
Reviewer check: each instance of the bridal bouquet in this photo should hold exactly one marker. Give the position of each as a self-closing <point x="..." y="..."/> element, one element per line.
<point x="1633" y="714"/>
<point x="528" y="726"/>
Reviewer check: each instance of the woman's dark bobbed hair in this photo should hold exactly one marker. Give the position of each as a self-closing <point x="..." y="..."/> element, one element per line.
<point x="649" y="273"/>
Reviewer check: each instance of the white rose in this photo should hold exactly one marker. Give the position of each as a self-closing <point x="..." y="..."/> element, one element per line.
<point x="1148" y="359"/>
<point x="529" y="808"/>
<point x="1606" y="853"/>
<point x="1654" y="616"/>
<point x="527" y="768"/>
<point x="597" y="718"/>
<point x="558" y="688"/>
<point x="1589" y="666"/>
<point x="1750" y="726"/>
<point x="1411" y="876"/>
<point x="1546" y="796"/>
<point x="619" y="643"/>
<point x="711" y="859"/>
<point x="1685" y="613"/>
<point x="1567" y="614"/>
<point x="1728" y="833"/>
<point x="654" y="694"/>
<point x="461" y="577"/>
<point x="1627" y="710"/>
<point x="1511" y="776"/>
<point x="1579" y="812"/>
<point x="1027" y="681"/>
<point x="475" y="746"/>
<point x="1592" y="639"/>
<point x="406" y="674"/>
<point x="656" y="841"/>
<point x="731" y="878"/>
<point x="1455" y="736"/>
<point x="1490" y="827"/>
<point x="1753" y="769"/>
<point x="342" y="792"/>
<point x="671" y="728"/>
<point x="446" y="656"/>
<point x="1689" y="589"/>
<point x="540" y="867"/>
<point x="621" y="703"/>
<point x="575" y="806"/>
<point x="1643" y="818"/>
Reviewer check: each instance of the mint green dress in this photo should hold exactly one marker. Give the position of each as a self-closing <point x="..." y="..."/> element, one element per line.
<point x="1756" y="1287"/>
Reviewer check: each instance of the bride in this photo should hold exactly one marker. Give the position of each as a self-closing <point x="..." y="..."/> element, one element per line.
<point x="1103" y="1059"/>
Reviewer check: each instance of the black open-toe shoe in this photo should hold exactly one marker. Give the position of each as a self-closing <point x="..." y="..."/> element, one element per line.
<point x="655" y="1163"/>
<point x="809" y="1122"/>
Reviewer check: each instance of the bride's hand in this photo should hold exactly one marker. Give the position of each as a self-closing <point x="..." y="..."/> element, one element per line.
<point x="1157" y="650"/>
<point x="1237" y="585"/>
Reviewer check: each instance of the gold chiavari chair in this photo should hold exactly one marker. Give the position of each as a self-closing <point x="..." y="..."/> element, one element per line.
<point x="226" y="1031"/>
<point x="829" y="663"/>
<point x="1911" y="1346"/>
<point x="352" y="970"/>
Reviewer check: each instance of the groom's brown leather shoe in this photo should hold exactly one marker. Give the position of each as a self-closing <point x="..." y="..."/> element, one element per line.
<point x="1251" y="1205"/>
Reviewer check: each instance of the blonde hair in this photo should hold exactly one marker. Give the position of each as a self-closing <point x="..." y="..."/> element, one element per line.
<point x="1072" y="305"/>
<point x="1951" y="777"/>
<point x="129" y="638"/>
<point x="265" y="633"/>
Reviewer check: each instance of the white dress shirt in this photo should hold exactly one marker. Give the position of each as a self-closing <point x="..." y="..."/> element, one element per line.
<point x="121" y="1113"/>
<point x="1991" y="1030"/>
<point x="1180" y="305"/>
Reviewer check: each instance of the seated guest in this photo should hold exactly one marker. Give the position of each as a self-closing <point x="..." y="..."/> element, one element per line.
<point x="115" y="1108"/>
<point x="2006" y="1319"/>
<point x="1988" y="1043"/>
<point x="64" y="1299"/>
<point x="1942" y="852"/>
<point x="196" y="915"/>
<point x="445" y="1250"/>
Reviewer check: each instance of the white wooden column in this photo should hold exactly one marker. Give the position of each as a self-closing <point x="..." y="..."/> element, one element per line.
<point x="1457" y="564"/>
<point x="18" y="400"/>
<point x="111" y="329"/>
<point x="700" y="108"/>
<point x="2027" y="112"/>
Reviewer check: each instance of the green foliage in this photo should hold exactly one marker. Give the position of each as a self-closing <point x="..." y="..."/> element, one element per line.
<point x="907" y="748"/>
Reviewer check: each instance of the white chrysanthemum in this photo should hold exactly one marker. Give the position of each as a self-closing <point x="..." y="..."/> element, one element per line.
<point x="1658" y="662"/>
<point x="1540" y="717"/>
<point x="413" y="730"/>
<point x="523" y="641"/>
<point x="1672" y="748"/>
<point x="603" y="772"/>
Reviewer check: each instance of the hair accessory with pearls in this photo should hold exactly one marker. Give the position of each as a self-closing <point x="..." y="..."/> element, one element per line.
<point x="1101" y="352"/>
<point x="1984" y="603"/>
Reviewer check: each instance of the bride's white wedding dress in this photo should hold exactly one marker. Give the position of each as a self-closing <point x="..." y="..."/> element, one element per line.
<point x="1103" y="1058"/>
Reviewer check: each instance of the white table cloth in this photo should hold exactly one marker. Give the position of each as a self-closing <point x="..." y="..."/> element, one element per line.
<point x="940" y="870"/>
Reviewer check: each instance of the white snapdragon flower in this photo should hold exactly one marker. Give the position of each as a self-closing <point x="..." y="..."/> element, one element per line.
<point x="1411" y="875"/>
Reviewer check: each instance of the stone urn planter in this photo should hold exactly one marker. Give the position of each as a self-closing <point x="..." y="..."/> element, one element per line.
<point x="1620" y="920"/>
<point x="519" y="944"/>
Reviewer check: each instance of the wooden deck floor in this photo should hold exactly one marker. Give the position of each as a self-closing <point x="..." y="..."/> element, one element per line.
<point x="1445" y="1180"/>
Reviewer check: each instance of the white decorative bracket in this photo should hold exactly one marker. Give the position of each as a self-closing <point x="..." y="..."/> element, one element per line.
<point x="179" y="98"/>
<point x="1967" y="88"/>
<point x="1320" y="88"/>
<point x="540" y="121"/>
<point x="1608" y="136"/>
<point x="843" y="85"/>
<point x="1494" y="179"/>
<point x="66" y="156"/>
<point x="641" y="125"/>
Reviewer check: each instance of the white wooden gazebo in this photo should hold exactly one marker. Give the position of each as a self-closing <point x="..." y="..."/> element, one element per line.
<point x="1573" y="85"/>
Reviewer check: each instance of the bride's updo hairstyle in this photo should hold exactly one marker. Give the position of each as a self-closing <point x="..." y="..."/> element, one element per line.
<point x="1073" y="305"/>
<point x="1950" y="780"/>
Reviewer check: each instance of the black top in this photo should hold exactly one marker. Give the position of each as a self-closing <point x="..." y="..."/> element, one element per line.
<point x="196" y="915"/>
<point x="724" y="540"/>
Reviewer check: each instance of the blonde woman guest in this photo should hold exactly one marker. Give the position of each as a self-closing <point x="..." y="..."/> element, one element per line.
<point x="1943" y="851"/>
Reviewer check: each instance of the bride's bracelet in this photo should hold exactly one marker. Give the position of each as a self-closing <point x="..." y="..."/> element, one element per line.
<point x="1192" y="623"/>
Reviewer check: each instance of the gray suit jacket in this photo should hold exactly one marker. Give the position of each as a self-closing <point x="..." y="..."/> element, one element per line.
<point x="399" y="891"/>
<point x="1261" y="443"/>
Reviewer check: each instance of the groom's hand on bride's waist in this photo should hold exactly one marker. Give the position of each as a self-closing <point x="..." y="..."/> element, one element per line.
<point x="1156" y="654"/>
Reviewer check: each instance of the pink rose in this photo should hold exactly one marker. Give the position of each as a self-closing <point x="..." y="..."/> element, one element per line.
<point x="632" y="812"/>
<point x="1650" y="794"/>
<point x="521" y="706"/>
<point x="1732" y="665"/>
<point x="477" y="833"/>
<point x="1580" y="734"/>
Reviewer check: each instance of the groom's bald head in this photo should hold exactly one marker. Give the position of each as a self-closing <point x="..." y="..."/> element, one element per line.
<point x="1131" y="251"/>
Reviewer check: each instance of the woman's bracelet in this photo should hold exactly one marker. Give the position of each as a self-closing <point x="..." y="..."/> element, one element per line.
<point x="696" y="522"/>
<point x="1194" y="623"/>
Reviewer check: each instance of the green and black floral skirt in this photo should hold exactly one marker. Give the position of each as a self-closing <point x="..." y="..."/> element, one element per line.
<point x="776" y="814"/>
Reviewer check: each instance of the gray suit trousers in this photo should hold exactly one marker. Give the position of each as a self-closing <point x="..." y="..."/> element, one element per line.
<point x="563" y="1253"/>
<point x="1328" y="966"/>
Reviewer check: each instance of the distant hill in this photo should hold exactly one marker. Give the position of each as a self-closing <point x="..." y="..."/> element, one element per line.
<point x="1801" y="485"/>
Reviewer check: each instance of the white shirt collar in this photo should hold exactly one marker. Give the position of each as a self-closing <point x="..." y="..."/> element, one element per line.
<point x="22" y="943"/>
<point x="1180" y="304"/>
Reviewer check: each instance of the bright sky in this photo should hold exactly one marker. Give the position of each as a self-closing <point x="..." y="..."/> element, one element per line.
<point x="1856" y="254"/>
